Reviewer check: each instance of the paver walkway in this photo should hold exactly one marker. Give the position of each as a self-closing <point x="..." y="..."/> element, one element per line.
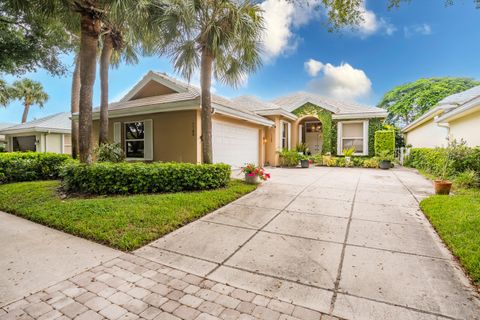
<point x="309" y="244"/>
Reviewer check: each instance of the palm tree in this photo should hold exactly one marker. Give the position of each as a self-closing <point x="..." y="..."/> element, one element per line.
<point x="74" y="105"/>
<point x="31" y="93"/>
<point x="221" y="38"/>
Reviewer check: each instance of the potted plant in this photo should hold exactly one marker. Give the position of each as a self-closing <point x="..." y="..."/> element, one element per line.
<point x="442" y="185"/>
<point x="254" y="174"/>
<point x="305" y="161"/>
<point x="385" y="157"/>
<point x="348" y="153"/>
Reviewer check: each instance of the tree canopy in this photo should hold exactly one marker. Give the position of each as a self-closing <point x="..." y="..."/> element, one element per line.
<point x="30" y="40"/>
<point x="407" y="102"/>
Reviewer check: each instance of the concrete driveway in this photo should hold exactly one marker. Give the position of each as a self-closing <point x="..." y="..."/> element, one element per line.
<point x="351" y="243"/>
<point x="33" y="257"/>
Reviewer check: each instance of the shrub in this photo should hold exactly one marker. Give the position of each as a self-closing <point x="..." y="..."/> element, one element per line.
<point x="384" y="142"/>
<point x="457" y="158"/>
<point x="109" y="152"/>
<point x="29" y="166"/>
<point x="125" y="178"/>
<point x="468" y="179"/>
<point x="289" y="158"/>
<point x="370" y="163"/>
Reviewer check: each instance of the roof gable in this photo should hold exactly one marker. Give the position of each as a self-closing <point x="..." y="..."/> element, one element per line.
<point x="155" y="84"/>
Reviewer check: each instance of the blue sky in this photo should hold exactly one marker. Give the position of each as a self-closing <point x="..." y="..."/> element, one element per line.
<point x="423" y="38"/>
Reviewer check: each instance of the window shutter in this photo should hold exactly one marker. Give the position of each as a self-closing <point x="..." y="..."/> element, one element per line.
<point x="148" y="139"/>
<point x="289" y="135"/>
<point x="117" y="132"/>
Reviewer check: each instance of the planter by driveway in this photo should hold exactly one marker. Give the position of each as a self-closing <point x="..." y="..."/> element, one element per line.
<point x="315" y="243"/>
<point x="346" y="242"/>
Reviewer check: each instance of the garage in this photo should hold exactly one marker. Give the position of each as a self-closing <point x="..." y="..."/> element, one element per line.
<point x="234" y="144"/>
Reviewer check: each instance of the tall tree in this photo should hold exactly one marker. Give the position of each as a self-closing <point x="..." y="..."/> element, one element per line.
<point x="222" y="38"/>
<point x="74" y="105"/>
<point x="407" y="102"/>
<point x="5" y="93"/>
<point x="30" y="93"/>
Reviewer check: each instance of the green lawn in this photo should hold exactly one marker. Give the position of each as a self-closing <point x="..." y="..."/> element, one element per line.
<point x="123" y="222"/>
<point x="457" y="219"/>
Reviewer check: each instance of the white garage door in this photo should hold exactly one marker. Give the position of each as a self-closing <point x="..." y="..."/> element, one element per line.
<point x="234" y="144"/>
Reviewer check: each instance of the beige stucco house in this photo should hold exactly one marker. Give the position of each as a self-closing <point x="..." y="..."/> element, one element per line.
<point x="456" y="117"/>
<point x="48" y="134"/>
<point x="159" y="120"/>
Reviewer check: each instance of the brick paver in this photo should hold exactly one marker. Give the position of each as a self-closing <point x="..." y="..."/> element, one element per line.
<point x="80" y="297"/>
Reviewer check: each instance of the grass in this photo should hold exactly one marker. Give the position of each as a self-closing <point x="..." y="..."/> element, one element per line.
<point x="457" y="220"/>
<point x="122" y="222"/>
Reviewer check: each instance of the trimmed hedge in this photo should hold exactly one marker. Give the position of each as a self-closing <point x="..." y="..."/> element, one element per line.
<point x="384" y="142"/>
<point x="461" y="159"/>
<point x="29" y="166"/>
<point x="133" y="178"/>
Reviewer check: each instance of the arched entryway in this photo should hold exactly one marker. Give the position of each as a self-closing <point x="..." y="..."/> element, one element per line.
<point x="310" y="132"/>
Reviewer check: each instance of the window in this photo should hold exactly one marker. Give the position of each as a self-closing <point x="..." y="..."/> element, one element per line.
<point x="353" y="135"/>
<point x="285" y="135"/>
<point x="135" y="140"/>
<point x="27" y="143"/>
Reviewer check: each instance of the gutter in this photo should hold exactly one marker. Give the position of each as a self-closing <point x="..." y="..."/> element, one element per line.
<point x="467" y="108"/>
<point x="367" y="115"/>
<point x="241" y="115"/>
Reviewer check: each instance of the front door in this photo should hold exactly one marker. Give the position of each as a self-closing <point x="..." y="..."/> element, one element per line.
<point x="313" y="136"/>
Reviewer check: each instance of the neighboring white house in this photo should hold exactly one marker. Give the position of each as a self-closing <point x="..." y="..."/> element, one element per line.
<point x="457" y="116"/>
<point x="4" y="125"/>
<point x="49" y="134"/>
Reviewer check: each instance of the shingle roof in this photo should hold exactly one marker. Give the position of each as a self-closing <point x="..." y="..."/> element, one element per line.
<point x="295" y="100"/>
<point x="254" y="104"/>
<point x="461" y="97"/>
<point x="4" y="125"/>
<point x="56" y="122"/>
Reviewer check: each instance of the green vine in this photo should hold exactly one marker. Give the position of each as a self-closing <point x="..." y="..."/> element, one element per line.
<point x="325" y="117"/>
<point x="373" y="126"/>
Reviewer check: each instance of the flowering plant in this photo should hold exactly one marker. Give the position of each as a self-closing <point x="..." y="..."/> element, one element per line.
<point x="252" y="170"/>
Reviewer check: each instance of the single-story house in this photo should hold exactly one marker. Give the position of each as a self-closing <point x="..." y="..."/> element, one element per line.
<point x="457" y="117"/>
<point x="48" y="134"/>
<point x="159" y="119"/>
<point x="4" y="125"/>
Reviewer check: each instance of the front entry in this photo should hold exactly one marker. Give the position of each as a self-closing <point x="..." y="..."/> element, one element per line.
<point x="313" y="136"/>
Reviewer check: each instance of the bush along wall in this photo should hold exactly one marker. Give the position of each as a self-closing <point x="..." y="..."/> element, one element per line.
<point x="384" y="142"/>
<point x="131" y="178"/>
<point x="374" y="125"/>
<point x="460" y="159"/>
<point x="29" y="166"/>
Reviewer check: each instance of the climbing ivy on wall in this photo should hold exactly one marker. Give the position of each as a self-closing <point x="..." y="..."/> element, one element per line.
<point x="325" y="118"/>
<point x="373" y="126"/>
<point x="334" y="137"/>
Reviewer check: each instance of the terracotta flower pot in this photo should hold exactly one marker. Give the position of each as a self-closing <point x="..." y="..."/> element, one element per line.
<point x="442" y="186"/>
<point x="252" y="179"/>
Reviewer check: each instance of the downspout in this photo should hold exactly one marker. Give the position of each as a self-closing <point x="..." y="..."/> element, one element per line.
<point x="445" y="125"/>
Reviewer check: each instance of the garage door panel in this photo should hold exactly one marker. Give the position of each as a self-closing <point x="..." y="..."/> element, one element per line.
<point x="234" y="144"/>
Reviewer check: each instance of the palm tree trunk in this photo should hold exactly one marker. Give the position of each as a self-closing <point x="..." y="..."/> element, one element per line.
<point x="104" y="66"/>
<point x="25" y="112"/>
<point x="205" y="84"/>
<point x="90" y="29"/>
<point x="75" y="100"/>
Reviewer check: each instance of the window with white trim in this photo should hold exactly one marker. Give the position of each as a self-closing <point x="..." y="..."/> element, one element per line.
<point x="353" y="134"/>
<point x="135" y="140"/>
<point x="285" y="135"/>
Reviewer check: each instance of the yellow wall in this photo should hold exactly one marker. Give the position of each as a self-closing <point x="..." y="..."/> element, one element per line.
<point x="273" y="143"/>
<point x="174" y="134"/>
<point x="467" y="128"/>
<point x="427" y="135"/>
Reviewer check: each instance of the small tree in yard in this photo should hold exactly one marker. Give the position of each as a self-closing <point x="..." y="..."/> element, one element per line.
<point x="385" y="142"/>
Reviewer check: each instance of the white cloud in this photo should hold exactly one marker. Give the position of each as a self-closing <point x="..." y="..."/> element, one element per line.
<point x="342" y="82"/>
<point x="278" y="37"/>
<point x="313" y="67"/>
<point x="418" y="29"/>
<point x="371" y="24"/>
